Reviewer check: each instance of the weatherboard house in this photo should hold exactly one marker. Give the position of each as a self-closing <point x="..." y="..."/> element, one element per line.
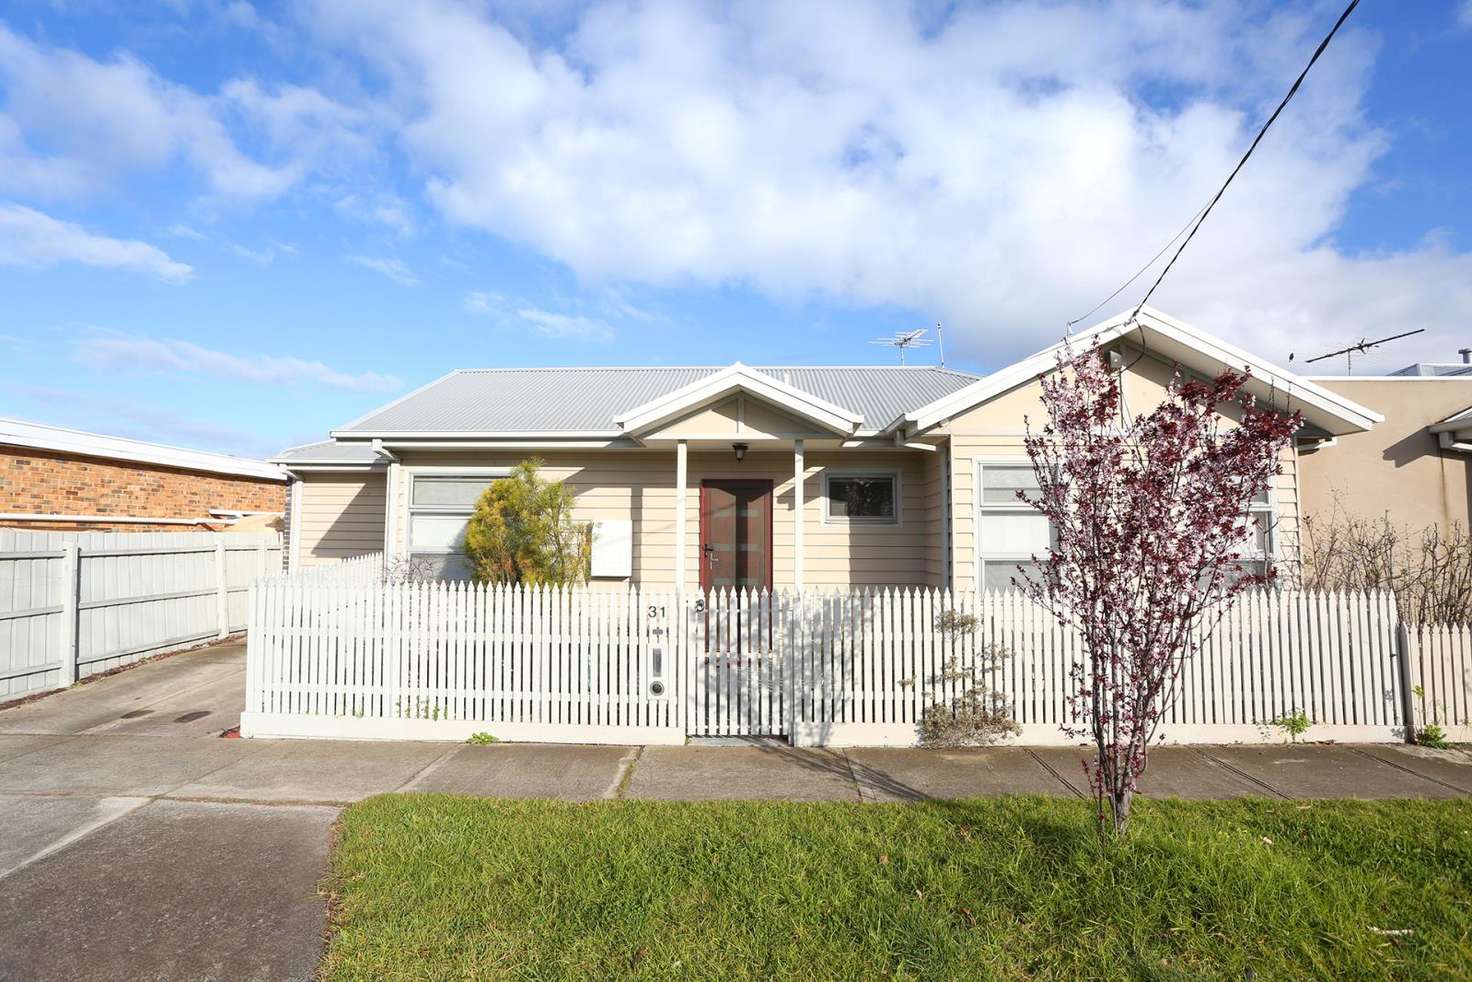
<point x="772" y="477"/>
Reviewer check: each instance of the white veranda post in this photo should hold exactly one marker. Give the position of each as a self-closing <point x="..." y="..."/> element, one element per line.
<point x="797" y="508"/>
<point x="681" y="453"/>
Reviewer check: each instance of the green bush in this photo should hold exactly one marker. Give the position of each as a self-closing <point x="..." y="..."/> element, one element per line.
<point x="522" y="531"/>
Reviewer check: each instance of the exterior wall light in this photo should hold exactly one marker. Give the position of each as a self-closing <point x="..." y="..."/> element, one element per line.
<point x="740" y="449"/>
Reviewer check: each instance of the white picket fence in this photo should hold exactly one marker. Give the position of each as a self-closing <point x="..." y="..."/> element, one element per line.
<point x="1440" y="683"/>
<point x="352" y="658"/>
<point x="74" y="604"/>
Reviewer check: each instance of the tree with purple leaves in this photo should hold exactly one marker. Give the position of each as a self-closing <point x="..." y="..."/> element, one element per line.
<point x="1150" y="519"/>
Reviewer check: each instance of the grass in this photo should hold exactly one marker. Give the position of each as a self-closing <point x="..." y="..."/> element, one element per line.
<point x="433" y="886"/>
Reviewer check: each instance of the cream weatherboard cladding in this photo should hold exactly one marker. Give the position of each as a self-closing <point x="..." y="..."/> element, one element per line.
<point x="342" y="515"/>
<point x="639" y="486"/>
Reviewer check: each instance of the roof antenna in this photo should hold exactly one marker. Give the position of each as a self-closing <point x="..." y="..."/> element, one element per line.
<point x="903" y="340"/>
<point x="940" y="335"/>
<point x="1358" y="348"/>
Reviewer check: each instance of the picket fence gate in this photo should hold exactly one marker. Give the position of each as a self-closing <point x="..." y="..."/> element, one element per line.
<point x="353" y="657"/>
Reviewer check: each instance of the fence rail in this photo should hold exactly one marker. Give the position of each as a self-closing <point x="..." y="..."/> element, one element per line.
<point x="74" y="604"/>
<point x="350" y="657"/>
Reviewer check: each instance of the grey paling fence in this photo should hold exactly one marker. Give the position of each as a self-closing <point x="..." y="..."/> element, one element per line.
<point x="352" y="657"/>
<point x="73" y="604"/>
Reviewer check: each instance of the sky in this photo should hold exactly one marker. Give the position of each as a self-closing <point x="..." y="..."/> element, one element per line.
<point x="235" y="226"/>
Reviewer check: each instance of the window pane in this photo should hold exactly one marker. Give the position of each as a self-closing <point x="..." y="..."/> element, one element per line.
<point x="437" y="533"/>
<point x="998" y="574"/>
<point x="861" y="497"/>
<point x="1016" y="532"/>
<point x="449" y="492"/>
<point x="443" y="567"/>
<point x="1001" y="482"/>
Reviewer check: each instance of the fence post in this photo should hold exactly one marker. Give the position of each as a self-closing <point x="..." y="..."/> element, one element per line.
<point x="222" y="600"/>
<point x="71" y="598"/>
<point x="1407" y="697"/>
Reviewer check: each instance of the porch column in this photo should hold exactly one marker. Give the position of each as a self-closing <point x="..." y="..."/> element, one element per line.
<point x="798" y="473"/>
<point x="681" y="451"/>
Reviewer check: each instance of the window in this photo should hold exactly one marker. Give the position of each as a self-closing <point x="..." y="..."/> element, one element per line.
<point x="1258" y="549"/>
<point x="1009" y="530"/>
<point x="871" y="499"/>
<point x="440" y="506"/>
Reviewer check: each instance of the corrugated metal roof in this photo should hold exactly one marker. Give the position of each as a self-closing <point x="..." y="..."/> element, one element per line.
<point x="587" y="400"/>
<point x="328" y="451"/>
<point x="1435" y="369"/>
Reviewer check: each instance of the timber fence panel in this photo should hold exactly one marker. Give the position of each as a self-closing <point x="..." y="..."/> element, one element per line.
<point x="74" y="604"/>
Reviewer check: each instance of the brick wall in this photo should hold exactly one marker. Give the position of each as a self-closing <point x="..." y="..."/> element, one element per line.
<point x="41" y="481"/>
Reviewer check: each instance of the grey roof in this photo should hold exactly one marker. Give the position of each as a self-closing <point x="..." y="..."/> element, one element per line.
<point x="587" y="400"/>
<point x="1435" y="369"/>
<point x="327" y="452"/>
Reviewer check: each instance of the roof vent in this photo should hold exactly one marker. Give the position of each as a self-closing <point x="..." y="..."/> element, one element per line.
<point x="1466" y="354"/>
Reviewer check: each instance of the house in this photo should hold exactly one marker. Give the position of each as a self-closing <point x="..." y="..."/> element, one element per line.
<point x="55" y="478"/>
<point x="1413" y="469"/>
<point x="811" y="477"/>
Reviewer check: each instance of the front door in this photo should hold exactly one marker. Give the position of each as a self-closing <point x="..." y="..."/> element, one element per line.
<point x="735" y="535"/>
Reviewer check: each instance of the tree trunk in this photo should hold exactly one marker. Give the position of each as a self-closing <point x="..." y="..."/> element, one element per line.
<point x="1120" y="801"/>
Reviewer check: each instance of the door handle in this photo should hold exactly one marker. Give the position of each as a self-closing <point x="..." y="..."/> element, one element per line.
<point x="710" y="553"/>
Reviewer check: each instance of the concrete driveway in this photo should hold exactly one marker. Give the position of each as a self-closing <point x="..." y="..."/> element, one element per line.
<point x="135" y="843"/>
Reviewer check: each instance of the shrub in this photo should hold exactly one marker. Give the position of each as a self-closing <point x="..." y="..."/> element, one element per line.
<point x="1295" y="724"/>
<point x="522" y="531"/>
<point x="1432" y="736"/>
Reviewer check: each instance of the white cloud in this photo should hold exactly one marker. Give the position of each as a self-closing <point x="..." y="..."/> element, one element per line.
<point x="72" y="126"/>
<point x="265" y="255"/>
<point x="565" y="326"/>
<point x="381" y="209"/>
<point x="99" y="119"/>
<point x="394" y="269"/>
<point x="123" y="353"/>
<point x="32" y="239"/>
<point x="185" y="232"/>
<point x="1001" y="167"/>
<point x="1464" y="15"/>
<point x="512" y="314"/>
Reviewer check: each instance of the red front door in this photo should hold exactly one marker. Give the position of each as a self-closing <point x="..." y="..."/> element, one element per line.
<point x="735" y="535"/>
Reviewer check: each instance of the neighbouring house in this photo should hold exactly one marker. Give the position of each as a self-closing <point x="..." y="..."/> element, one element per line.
<point x="1413" y="469"/>
<point x="807" y="477"/>
<point x="52" y="478"/>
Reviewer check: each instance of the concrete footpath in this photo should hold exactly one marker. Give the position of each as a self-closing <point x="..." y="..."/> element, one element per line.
<point x="136" y="843"/>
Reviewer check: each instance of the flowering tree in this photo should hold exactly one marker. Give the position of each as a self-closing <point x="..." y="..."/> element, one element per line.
<point x="1149" y="517"/>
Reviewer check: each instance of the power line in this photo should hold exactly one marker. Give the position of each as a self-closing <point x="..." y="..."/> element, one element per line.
<point x="1141" y="272"/>
<point x="1260" y="134"/>
<point x="1200" y="218"/>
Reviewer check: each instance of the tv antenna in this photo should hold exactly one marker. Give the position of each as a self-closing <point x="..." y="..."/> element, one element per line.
<point x="904" y="340"/>
<point x="1358" y="348"/>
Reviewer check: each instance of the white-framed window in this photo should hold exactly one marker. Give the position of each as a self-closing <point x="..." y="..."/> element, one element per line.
<point x="440" y="506"/>
<point x="1259" y="551"/>
<point x="861" y="499"/>
<point x="1009" y="531"/>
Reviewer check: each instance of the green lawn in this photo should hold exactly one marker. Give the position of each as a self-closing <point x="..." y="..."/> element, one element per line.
<point x="433" y="886"/>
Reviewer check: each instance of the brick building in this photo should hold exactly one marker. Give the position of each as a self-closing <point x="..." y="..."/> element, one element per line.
<point x="56" y="478"/>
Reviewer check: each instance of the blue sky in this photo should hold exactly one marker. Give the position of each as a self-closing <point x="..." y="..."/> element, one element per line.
<point x="234" y="226"/>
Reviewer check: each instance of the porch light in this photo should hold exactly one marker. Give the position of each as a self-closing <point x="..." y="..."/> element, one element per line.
<point x="740" y="449"/>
